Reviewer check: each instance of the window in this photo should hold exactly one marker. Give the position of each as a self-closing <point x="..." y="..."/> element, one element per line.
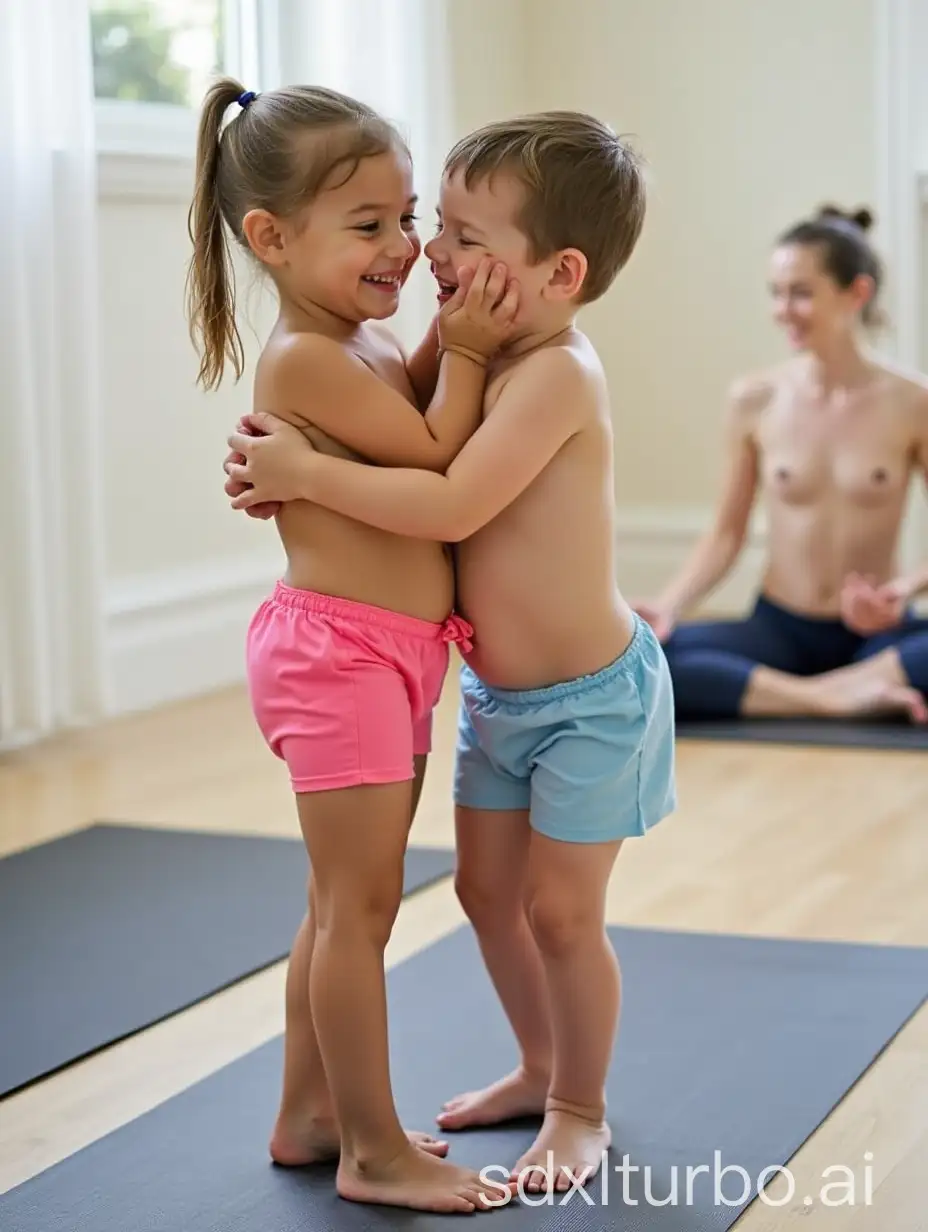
<point x="155" y="51"/>
<point x="154" y="59"/>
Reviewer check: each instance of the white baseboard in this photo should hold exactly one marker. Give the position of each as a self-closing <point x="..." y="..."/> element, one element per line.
<point x="652" y="544"/>
<point x="179" y="633"/>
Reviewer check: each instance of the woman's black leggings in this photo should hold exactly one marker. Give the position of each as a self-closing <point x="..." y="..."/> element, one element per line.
<point x="711" y="661"/>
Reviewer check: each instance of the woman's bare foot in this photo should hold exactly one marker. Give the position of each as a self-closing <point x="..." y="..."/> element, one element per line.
<point x="519" y="1094"/>
<point x="852" y="695"/>
<point x="316" y="1140"/>
<point x="568" y="1150"/>
<point x="421" y="1182"/>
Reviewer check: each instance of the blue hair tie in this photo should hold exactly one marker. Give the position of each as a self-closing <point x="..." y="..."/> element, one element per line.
<point x="245" y="98"/>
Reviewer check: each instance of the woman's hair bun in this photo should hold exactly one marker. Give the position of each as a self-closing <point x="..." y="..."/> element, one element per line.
<point x="861" y="217"/>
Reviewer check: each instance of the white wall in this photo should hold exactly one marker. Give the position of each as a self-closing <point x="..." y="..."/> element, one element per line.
<point x="748" y="119"/>
<point x="748" y="116"/>
<point x="183" y="572"/>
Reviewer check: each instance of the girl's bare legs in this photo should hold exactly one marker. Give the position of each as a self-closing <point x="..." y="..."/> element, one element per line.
<point x="492" y="879"/>
<point x="306" y="1131"/>
<point x="567" y="885"/>
<point x="356" y="841"/>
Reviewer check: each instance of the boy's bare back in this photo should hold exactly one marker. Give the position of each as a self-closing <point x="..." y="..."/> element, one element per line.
<point x="539" y="579"/>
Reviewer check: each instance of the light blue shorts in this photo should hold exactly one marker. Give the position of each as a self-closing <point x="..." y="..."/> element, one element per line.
<point x="592" y="759"/>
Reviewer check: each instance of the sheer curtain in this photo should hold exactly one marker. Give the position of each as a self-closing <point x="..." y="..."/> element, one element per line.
<point x="51" y="654"/>
<point x="392" y="54"/>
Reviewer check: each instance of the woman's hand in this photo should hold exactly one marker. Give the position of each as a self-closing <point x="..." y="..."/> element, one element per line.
<point x="661" y="620"/>
<point x="867" y="609"/>
<point x="267" y="464"/>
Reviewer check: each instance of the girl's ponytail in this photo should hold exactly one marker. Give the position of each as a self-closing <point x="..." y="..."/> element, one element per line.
<point x="210" y="275"/>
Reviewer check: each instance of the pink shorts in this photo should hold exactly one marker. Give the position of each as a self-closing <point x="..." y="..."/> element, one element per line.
<point x="344" y="692"/>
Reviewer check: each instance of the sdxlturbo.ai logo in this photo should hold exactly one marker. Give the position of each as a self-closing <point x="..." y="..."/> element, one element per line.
<point x="731" y="1185"/>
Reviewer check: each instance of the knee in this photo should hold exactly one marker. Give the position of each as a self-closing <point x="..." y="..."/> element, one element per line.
<point x="490" y="903"/>
<point x="561" y="925"/>
<point x="363" y="912"/>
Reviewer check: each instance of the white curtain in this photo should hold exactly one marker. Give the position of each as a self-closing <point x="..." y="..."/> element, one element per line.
<point x="51" y="646"/>
<point x="394" y="55"/>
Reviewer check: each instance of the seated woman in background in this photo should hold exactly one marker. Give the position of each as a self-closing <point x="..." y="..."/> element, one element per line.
<point x="834" y="437"/>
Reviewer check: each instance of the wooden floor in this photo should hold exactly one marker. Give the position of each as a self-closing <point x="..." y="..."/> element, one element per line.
<point x="793" y="842"/>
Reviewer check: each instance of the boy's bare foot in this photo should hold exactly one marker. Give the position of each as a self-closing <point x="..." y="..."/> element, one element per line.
<point x="568" y="1149"/>
<point x="316" y="1140"/>
<point x="421" y="1182"/>
<point x="519" y="1094"/>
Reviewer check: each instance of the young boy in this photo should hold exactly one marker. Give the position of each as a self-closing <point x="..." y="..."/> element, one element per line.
<point x="566" y="736"/>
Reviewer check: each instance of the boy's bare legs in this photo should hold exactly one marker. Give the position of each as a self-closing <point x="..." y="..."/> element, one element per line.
<point x="492" y="883"/>
<point x="356" y="840"/>
<point x="567" y="885"/>
<point x="306" y="1131"/>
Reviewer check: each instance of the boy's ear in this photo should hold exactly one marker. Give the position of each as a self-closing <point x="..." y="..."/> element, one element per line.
<point x="568" y="274"/>
<point x="264" y="237"/>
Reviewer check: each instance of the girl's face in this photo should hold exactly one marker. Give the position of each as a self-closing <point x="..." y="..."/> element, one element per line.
<point x="351" y="251"/>
<point x="812" y="309"/>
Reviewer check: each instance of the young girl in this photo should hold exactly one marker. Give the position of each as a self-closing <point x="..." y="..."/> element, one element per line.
<point x="347" y="658"/>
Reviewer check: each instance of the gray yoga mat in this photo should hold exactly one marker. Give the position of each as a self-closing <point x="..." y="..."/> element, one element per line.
<point x="728" y="1045"/>
<point x="827" y="733"/>
<point x="108" y="930"/>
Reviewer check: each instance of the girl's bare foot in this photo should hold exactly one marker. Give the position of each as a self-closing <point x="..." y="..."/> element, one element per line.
<point x="315" y="1140"/>
<point x="519" y="1094"/>
<point x="420" y="1182"/>
<point x="568" y="1149"/>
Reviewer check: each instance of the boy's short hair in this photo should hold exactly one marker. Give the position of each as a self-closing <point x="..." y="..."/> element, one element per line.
<point x="585" y="187"/>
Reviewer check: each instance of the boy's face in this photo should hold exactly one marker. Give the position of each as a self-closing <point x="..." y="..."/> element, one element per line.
<point x="480" y="221"/>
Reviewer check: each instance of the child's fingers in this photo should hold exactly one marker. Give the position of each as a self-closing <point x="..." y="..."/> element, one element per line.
<point x="247" y="499"/>
<point x="234" y="487"/>
<point x="478" y="287"/>
<point x="509" y="306"/>
<point x="264" y="510"/>
<point x="496" y="284"/>
<point x="455" y="302"/>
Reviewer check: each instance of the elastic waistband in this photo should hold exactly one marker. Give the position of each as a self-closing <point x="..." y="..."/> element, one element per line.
<point x="453" y="629"/>
<point x="529" y="698"/>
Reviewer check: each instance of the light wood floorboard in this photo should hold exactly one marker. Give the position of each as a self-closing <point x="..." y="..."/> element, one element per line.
<point x="791" y="842"/>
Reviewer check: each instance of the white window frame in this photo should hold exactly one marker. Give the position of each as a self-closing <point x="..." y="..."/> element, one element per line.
<point x="162" y="130"/>
<point x="902" y="202"/>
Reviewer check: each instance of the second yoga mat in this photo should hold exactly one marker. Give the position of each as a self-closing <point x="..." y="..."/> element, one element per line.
<point x="826" y="733"/>
<point x="111" y="929"/>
